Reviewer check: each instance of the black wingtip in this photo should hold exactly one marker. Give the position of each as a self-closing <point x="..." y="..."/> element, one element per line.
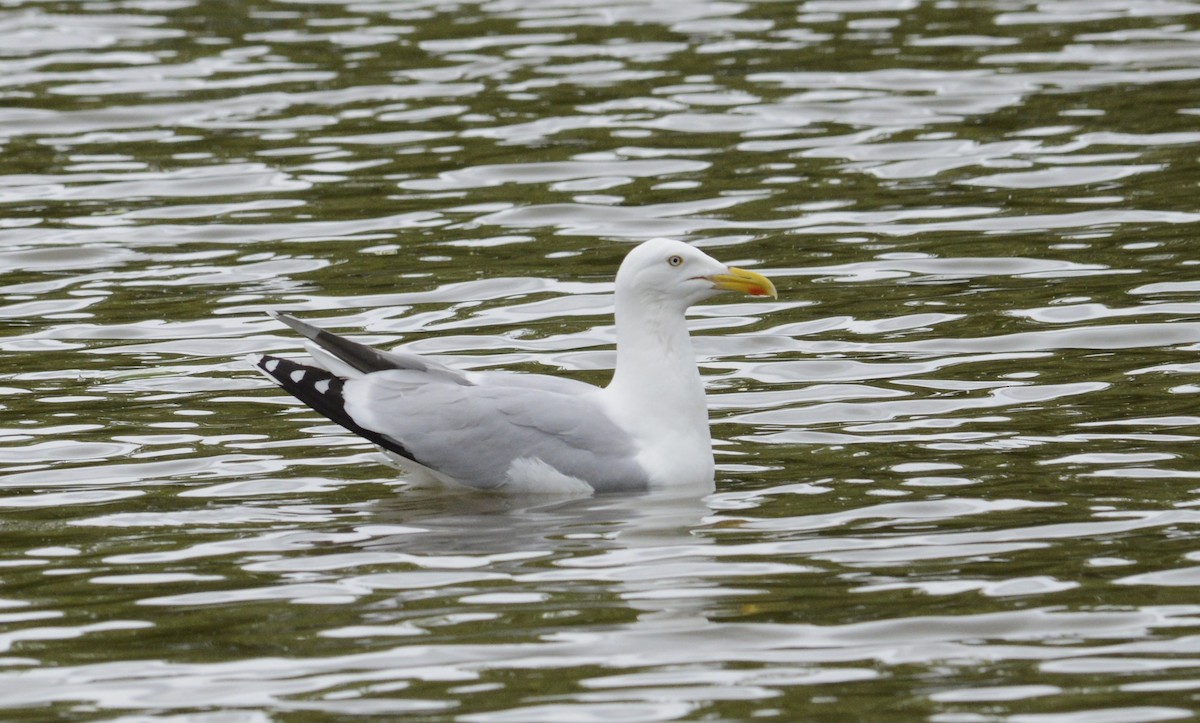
<point x="306" y="330"/>
<point x="314" y="386"/>
<point x="322" y="392"/>
<point x="358" y="356"/>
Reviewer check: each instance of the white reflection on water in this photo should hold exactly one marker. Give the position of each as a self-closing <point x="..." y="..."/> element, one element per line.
<point x="656" y="564"/>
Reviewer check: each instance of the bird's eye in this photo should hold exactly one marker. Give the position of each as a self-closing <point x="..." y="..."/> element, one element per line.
<point x="675" y="260"/>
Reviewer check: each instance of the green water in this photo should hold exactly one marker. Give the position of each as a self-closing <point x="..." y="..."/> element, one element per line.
<point x="956" y="467"/>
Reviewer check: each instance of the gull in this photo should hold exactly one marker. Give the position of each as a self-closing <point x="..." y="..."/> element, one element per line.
<point x="533" y="433"/>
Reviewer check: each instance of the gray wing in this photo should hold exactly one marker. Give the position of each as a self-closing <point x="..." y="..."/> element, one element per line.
<point x="470" y="426"/>
<point x="474" y="433"/>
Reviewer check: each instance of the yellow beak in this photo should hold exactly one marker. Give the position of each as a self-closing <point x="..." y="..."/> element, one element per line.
<point x="744" y="281"/>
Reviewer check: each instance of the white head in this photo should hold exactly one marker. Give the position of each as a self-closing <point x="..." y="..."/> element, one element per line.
<point x="672" y="274"/>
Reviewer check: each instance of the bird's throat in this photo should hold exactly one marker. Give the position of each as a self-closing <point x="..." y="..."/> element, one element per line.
<point x="656" y="373"/>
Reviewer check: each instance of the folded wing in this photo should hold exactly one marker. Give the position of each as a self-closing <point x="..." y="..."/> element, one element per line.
<point x="487" y="430"/>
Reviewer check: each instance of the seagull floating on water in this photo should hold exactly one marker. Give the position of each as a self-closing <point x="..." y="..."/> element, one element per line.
<point x="511" y="432"/>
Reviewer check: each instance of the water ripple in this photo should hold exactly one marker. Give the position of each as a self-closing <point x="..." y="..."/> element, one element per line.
<point x="955" y="458"/>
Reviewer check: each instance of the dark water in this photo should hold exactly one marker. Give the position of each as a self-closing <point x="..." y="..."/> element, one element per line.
<point x="958" y="471"/>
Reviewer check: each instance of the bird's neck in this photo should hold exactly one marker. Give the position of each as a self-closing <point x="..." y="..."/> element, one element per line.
<point x="655" y="361"/>
<point x="657" y="390"/>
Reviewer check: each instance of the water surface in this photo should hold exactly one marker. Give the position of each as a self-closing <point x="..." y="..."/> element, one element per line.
<point x="957" y="477"/>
